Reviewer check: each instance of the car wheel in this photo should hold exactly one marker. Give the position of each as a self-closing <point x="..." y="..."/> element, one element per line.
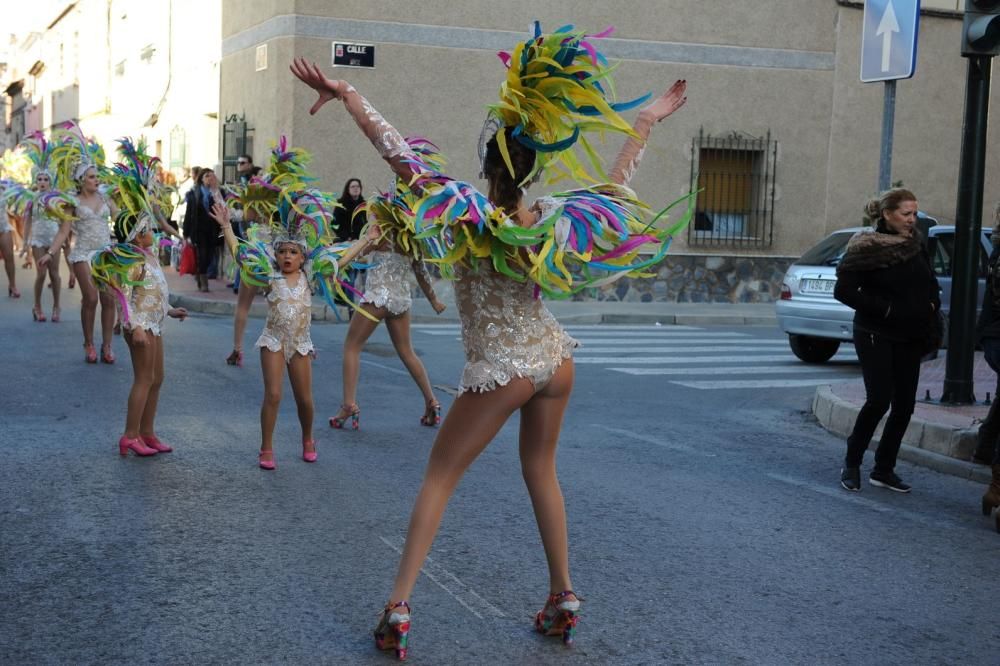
<point x="813" y="350"/>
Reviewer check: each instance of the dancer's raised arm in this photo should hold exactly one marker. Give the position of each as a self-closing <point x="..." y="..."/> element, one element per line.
<point x="386" y="139"/>
<point x="631" y="153"/>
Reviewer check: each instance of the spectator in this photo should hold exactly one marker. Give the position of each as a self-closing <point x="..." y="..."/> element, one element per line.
<point x="988" y="448"/>
<point x="199" y="228"/>
<point x="348" y="225"/>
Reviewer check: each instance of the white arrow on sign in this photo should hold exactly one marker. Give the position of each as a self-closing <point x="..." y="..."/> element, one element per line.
<point x="886" y="27"/>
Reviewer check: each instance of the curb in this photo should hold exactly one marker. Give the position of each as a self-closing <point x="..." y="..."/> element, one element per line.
<point x="941" y="448"/>
<point x="257" y="310"/>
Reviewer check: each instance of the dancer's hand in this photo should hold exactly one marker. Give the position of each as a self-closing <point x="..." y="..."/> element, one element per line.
<point x="177" y="313"/>
<point x="667" y="103"/>
<point x="44" y="260"/>
<point x="220" y="213"/>
<point x="438" y="306"/>
<point x="311" y="75"/>
<point x="139" y="337"/>
<point x="373" y="233"/>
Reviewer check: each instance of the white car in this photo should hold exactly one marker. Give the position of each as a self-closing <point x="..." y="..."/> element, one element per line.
<point x="817" y="323"/>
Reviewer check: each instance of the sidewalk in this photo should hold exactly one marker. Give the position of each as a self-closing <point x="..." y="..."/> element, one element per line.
<point x="222" y="301"/>
<point x="940" y="437"/>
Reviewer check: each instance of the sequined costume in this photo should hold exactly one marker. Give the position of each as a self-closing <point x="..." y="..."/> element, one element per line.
<point x="148" y="302"/>
<point x="43" y="229"/>
<point x="289" y="313"/>
<point x="389" y="281"/>
<point x="92" y="231"/>
<point x="4" y="222"/>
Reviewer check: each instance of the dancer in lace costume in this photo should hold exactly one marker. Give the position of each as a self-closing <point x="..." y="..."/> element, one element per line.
<point x="517" y="356"/>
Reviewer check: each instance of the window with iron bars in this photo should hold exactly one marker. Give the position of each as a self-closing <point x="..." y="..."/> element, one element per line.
<point x="734" y="178"/>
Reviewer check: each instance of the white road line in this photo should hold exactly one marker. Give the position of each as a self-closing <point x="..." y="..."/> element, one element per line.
<point x="386" y="367"/>
<point x="664" y="335"/>
<point x="735" y="370"/>
<point x="655" y="360"/>
<point x="432" y="328"/>
<point x="675" y="349"/>
<point x="671" y="446"/>
<point x="756" y="383"/>
<point x="676" y="341"/>
<point x="439" y="573"/>
<point x="835" y="492"/>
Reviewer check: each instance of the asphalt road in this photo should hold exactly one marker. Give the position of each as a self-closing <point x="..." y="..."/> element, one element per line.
<point x="706" y="521"/>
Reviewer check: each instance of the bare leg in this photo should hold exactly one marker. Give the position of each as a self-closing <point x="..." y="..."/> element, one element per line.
<point x="55" y="280"/>
<point x="399" y="333"/>
<point x="358" y="332"/>
<point x="272" y="364"/>
<point x="69" y="267"/>
<point x="7" y="251"/>
<point x="541" y="420"/>
<point x="472" y="422"/>
<point x="143" y="364"/>
<point x="37" y="253"/>
<point x="88" y="301"/>
<point x="243" y="302"/>
<point x="108" y="314"/>
<point x="300" y="377"/>
<point x="147" y="425"/>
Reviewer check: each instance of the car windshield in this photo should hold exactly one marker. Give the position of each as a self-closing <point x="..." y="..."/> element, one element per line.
<point x="828" y="251"/>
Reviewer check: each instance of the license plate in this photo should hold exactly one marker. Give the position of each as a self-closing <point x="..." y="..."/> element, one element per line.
<point x="818" y="286"/>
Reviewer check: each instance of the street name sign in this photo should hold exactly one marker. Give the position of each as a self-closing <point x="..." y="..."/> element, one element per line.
<point x="889" y="39"/>
<point x="353" y="55"/>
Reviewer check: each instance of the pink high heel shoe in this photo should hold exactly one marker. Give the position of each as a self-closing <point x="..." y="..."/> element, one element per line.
<point x="153" y="442"/>
<point x="134" y="443"/>
<point x="106" y="354"/>
<point x="89" y="353"/>
<point x="267" y="464"/>
<point x="393" y="629"/>
<point x="309" y="456"/>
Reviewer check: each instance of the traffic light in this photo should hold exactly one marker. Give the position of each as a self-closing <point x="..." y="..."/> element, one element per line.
<point x="981" y="28"/>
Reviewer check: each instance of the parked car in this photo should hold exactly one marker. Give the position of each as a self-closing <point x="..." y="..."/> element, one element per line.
<point x="817" y="323"/>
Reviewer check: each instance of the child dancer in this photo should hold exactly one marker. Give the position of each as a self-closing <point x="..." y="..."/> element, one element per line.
<point x="283" y="260"/>
<point x="517" y="355"/>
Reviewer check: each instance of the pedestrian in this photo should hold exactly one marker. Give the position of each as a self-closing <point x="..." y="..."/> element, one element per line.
<point x="348" y="219"/>
<point x="517" y="355"/>
<point x="199" y="228"/>
<point x="987" y="449"/>
<point x="298" y="233"/>
<point x="887" y="278"/>
<point x="388" y="279"/>
<point x="7" y="246"/>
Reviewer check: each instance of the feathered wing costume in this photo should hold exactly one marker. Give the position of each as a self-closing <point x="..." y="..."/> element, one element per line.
<point x="57" y="202"/>
<point x="556" y="91"/>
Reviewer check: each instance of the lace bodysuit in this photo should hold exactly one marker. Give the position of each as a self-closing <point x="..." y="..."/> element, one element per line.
<point x="43" y="228"/>
<point x="148" y="303"/>
<point x="389" y="281"/>
<point x="506" y="331"/>
<point x="4" y="223"/>
<point x="92" y="232"/>
<point x="289" y="313"/>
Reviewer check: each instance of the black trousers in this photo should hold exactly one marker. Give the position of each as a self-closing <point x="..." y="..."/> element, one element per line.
<point x="891" y="371"/>
<point x="989" y="431"/>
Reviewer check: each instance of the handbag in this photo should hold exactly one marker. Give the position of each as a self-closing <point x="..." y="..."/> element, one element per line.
<point x="189" y="261"/>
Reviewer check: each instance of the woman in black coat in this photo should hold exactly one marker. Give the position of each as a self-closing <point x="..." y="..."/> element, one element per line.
<point x="886" y="276"/>
<point x="348" y="226"/>
<point x="199" y="228"/>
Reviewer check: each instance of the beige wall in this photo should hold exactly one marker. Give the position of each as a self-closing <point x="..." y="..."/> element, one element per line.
<point x="794" y="72"/>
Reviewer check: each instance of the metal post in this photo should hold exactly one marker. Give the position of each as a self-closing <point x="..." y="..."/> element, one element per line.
<point x="888" y="118"/>
<point x="968" y="228"/>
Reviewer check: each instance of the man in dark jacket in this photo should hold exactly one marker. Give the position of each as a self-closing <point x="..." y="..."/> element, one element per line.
<point x="988" y="330"/>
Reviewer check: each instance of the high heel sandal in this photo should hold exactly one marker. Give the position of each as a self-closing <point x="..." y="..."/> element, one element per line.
<point x="12" y="292"/>
<point x="353" y="412"/>
<point x="89" y="353"/>
<point x="432" y="415"/>
<point x="393" y="629"/>
<point x="559" y="616"/>
<point x="37" y="314"/>
<point x="266" y="464"/>
<point x="309" y="456"/>
<point x="236" y="358"/>
<point x="55" y="315"/>
<point x="106" y="355"/>
<point x="137" y="446"/>
<point x="153" y="442"/>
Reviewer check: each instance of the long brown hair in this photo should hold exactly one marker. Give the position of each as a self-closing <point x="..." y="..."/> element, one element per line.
<point x="505" y="191"/>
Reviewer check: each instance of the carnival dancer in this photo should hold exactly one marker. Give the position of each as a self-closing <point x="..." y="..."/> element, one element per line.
<point x="288" y="260"/>
<point x="7" y="246"/>
<point x="389" y="276"/>
<point x="501" y="251"/>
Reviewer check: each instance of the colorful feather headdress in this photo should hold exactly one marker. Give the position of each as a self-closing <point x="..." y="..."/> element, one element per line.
<point x="39" y="151"/>
<point x="74" y="154"/>
<point x="135" y="187"/>
<point x="285" y="174"/>
<point x="558" y="88"/>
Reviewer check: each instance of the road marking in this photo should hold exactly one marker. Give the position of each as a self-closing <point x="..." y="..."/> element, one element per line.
<point x="682" y="349"/>
<point x="653" y="360"/>
<point x="736" y="370"/>
<point x="386" y="367"/>
<point x="649" y="328"/>
<point x="677" y="341"/>
<point x="440" y="573"/>
<point x="754" y="383"/>
<point x="670" y="446"/>
<point x="855" y="498"/>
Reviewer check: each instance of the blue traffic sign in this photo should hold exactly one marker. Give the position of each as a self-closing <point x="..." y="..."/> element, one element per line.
<point x="889" y="39"/>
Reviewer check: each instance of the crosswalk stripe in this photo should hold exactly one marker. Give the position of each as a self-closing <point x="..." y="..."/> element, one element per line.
<point x="682" y="349"/>
<point x="754" y="383"/>
<point x="654" y="360"/>
<point x="736" y="370"/>
<point x="677" y="341"/>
